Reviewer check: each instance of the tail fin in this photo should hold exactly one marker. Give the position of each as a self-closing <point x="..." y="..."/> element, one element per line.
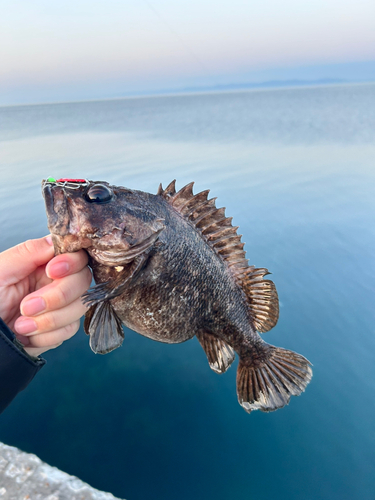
<point x="268" y="386"/>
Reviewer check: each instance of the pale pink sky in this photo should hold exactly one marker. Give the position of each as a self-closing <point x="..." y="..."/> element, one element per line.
<point x="57" y="49"/>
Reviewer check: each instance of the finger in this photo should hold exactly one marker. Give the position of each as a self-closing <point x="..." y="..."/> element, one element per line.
<point x="50" y="321"/>
<point x="60" y="293"/>
<point x="20" y="261"/>
<point x="37" y="344"/>
<point x="37" y="351"/>
<point x="66" y="264"/>
<point x="48" y="339"/>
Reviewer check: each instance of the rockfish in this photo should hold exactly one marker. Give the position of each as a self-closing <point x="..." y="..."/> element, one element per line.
<point x="170" y="266"/>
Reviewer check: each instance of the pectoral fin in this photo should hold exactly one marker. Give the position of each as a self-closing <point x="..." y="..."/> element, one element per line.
<point x="114" y="288"/>
<point x="104" y="327"/>
<point x="219" y="354"/>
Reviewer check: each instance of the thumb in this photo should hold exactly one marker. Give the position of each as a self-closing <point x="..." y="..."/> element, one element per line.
<point x="20" y="261"/>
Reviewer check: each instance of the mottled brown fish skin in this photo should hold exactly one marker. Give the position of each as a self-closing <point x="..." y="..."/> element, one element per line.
<point x="185" y="287"/>
<point x="177" y="285"/>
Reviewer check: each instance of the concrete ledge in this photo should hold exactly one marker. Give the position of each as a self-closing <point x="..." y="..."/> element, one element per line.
<point x="24" y="476"/>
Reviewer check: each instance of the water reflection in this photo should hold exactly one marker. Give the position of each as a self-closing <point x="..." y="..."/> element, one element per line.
<point x="295" y="168"/>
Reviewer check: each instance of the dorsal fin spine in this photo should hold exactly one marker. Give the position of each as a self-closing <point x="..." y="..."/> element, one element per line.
<point x="203" y="215"/>
<point x="226" y="222"/>
<point x="225" y="240"/>
<point x="191" y="205"/>
<point x="170" y="190"/>
<point x="195" y="212"/>
<point x="183" y="194"/>
<point x="231" y="249"/>
<point x="213" y="215"/>
<point x="222" y="233"/>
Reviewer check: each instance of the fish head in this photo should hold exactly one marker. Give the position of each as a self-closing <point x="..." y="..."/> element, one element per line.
<point x="110" y="222"/>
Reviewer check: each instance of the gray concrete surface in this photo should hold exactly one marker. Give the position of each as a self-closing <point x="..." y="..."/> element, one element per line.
<point x="24" y="476"/>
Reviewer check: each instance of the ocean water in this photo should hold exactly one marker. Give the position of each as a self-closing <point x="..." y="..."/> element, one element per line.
<point x="296" y="170"/>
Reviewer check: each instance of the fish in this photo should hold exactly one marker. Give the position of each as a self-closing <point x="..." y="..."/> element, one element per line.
<point x="171" y="266"/>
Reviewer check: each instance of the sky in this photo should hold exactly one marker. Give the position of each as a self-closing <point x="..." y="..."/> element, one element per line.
<point x="77" y="49"/>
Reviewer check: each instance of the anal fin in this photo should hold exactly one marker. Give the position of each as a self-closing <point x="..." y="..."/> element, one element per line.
<point x="219" y="354"/>
<point x="104" y="327"/>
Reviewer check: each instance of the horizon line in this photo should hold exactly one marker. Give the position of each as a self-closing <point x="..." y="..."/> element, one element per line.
<point x="267" y="86"/>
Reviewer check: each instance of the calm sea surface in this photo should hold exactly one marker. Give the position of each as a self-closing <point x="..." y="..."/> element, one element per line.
<point x="296" y="170"/>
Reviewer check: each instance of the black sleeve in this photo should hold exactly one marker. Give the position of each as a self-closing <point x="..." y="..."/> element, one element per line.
<point x="17" y="368"/>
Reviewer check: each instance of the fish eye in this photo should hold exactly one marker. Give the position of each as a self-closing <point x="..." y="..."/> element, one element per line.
<point x="99" y="194"/>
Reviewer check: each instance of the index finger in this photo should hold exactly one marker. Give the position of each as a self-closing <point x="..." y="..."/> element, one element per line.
<point x="66" y="264"/>
<point x="20" y="261"/>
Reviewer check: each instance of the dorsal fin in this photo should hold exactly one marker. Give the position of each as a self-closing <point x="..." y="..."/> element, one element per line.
<point x="169" y="191"/>
<point x="218" y="232"/>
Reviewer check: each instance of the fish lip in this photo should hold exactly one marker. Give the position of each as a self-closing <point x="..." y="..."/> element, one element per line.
<point x="49" y="202"/>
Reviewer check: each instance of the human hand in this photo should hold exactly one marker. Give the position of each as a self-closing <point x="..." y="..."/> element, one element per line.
<point x="40" y="294"/>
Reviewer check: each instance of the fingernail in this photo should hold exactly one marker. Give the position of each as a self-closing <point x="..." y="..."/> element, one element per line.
<point x="33" y="306"/>
<point x="49" y="240"/>
<point x="58" y="270"/>
<point x="25" y="325"/>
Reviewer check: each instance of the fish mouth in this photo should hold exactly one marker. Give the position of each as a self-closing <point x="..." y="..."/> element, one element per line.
<point x="62" y="219"/>
<point x="56" y="195"/>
